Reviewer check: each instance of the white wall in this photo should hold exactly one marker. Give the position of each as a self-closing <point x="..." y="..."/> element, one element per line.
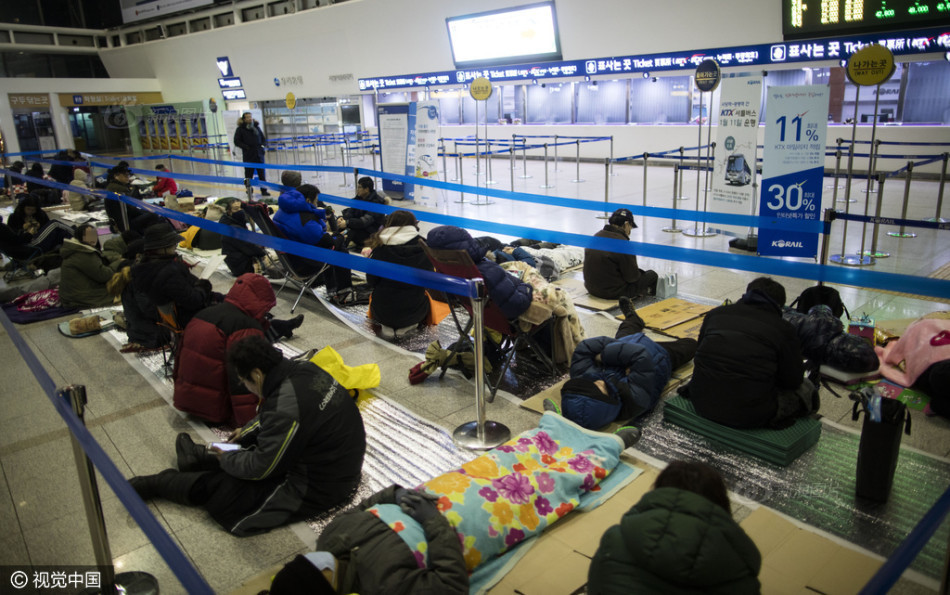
<point x="64" y="134"/>
<point x="368" y="38"/>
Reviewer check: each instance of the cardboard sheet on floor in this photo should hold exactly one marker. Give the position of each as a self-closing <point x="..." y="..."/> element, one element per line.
<point x="686" y="330"/>
<point x="796" y="560"/>
<point x="575" y="288"/>
<point x="670" y="313"/>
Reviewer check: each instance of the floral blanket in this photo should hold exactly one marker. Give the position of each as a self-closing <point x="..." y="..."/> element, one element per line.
<point x="517" y="489"/>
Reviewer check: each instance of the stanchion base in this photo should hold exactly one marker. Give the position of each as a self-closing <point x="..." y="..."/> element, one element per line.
<point x="526" y="176"/>
<point x="491" y="182"/>
<point x="546" y="186"/>
<point x="671" y="229"/>
<point x="872" y="255"/>
<point x="604" y="216"/>
<point x="133" y="583"/>
<point x="460" y="202"/>
<point x="831" y="186"/>
<point x="697" y="232"/>
<point x="481" y="204"/>
<point x="897" y="234"/>
<point x="466" y="435"/>
<point x="453" y="179"/>
<point x="577" y="181"/>
<point x="869" y="191"/>
<point x="848" y="200"/>
<point x="851" y="260"/>
<point x="682" y="198"/>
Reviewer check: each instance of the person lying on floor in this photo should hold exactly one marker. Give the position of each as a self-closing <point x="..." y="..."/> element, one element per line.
<point x="204" y="386"/>
<point x="921" y="358"/>
<point x="679" y="538"/>
<point x="301" y="455"/>
<point x="398" y="542"/>
<point x="619" y="379"/>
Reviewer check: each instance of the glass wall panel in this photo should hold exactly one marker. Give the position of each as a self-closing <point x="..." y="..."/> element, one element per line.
<point x="602" y="102"/>
<point x="660" y="102"/>
<point x="550" y="103"/>
<point x="926" y="93"/>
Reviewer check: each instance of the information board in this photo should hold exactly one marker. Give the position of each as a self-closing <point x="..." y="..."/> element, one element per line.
<point x="393" y="121"/>
<point x="814" y="18"/>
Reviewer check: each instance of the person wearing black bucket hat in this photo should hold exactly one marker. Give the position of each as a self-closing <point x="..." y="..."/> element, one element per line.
<point x="160" y="278"/>
<point x="610" y="275"/>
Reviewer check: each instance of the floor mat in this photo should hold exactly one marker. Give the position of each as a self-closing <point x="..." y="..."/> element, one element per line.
<point x="575" y="288"/>
<point x="818" y="488"/>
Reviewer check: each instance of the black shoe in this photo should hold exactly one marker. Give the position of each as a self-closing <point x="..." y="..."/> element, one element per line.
<point x="150" y="486"/>
<point x="265" y="192"/>
<point x="630" y="435"/>
<point x="629" y="312"/>
<point x="169" y="484"/>
<point x="192" y="457"/>
<point x="285" y="328"/>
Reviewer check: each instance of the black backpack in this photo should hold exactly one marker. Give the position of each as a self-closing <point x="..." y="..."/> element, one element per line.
<point x="821" y="294"/>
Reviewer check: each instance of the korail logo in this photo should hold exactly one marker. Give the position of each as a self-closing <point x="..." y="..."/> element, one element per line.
<point x="784" y="244"/>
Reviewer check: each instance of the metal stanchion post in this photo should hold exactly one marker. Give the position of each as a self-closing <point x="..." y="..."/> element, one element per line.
<point x="702" y="232"/>
<point x="524" y="159"/>
<point x="249" y="190"/>
<point x="943" y="180"/>
<point x="902" y="233"/>
<point x="873" y="253"/>
<point x="555" y="154"/>
<point x="546" y="184"/>
<point x="461" y="180"/>
<point x="848" y="259"/>
<point x="676" y="174"/>
<point x="488" y="179"/>
<point x="445" y="170"/>
<point x="458" y="161"/>
<point x="826" y="237"/>
<point x="111" y="583"/>
<point x="511" y="162"/>
<point x="680" y="182"/>
<point x="606" y="186"/>
<point x="646" y="156"/>
<point x="612" y="155"/>
<point x="343" y="164"/>
<point x="577" y="165"/>
<point x="834" y="192"/>
<point x="480" y="434"/>
<point x="191" y="155"/>
<point x="875" y="148"/>
<point x="834" y="184"/>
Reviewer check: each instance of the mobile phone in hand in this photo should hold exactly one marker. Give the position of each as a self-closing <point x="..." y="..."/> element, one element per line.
<point x="225" y="446"/>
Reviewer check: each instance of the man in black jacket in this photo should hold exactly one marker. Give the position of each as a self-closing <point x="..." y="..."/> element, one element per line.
<point x="360" y="224"/>
<point x="610" y="275"/>
<point x="748" y="366"/>
<point x="250" y="139"/>
<point x="300" y="456"/>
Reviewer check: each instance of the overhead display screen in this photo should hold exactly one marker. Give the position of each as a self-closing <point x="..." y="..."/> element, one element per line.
<point x="817" y="18"/>
<point x="507" y="36"/>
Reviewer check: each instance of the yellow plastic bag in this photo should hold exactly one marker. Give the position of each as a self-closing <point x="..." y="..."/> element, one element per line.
<point x="189" y="235"/>
<point x="350" y="377"/>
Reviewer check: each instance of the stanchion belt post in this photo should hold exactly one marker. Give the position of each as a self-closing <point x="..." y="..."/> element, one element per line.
<point x="680" y="182"/>
<point x="248" y="190"/>
<point x="458" y="161"/>
<point x="826" y="237"/>
<point x="445" y="170"/>
<point x="672" y="228"/>
<point x="524" y="158"/>
<point x="488" y="175"/>
<point x="76" y="395"/>
<point x="646" y="156"/>
<point x="847" y="187"/>
<point x="877" y="215"/>
<point x="511" y="162"/>
<point x="834" y="183"/>
<point x="910" y="171"/>
<point x="611" y="154"/>
<point x="577" y="164"/>
<point x="943" y="180"/>
<point x="546" y="184"/>
<point x="555" y="153"/>
<point x="606" y="184"/>
<point x="191" y="155"/>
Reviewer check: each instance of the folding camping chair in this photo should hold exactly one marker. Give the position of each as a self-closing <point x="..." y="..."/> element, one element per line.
<point x="261" y="219"/>
<point x="168" y="320"/>
<point x="458" y="263"/>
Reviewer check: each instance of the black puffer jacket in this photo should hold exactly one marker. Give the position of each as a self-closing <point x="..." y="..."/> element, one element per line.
<point x="238" y="254"/>
<point x="396" y="304"/>
<point x="608" y="274"/>
<point x="825" y="342"/>
<point x="164" y="280"/>
<point x="746" y="354"/>
<point x="361" y="223"/>
<point x="374" y="559"/>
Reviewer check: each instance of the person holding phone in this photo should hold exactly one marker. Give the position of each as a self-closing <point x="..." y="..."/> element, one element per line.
<point x="308" y="444"/>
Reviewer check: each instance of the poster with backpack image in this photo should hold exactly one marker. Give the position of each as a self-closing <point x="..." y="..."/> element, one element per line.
<point x="793" y="169"/>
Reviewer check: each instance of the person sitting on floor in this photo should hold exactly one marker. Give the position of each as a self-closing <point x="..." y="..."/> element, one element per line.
<point x="359" y="223"/>
<point x="510" y="294"/>
<point x="163" y="184"/>
<point x="31" y="221"/>
<point x="398" y="307"/>
<point x="85" y="271"/>
<point x="82" y="201"/>
<point x="160" y="278"/>
<point x="398" y="542"/>
<point x="748" y="369"/>
<point x="204" y="386"/>
<point x="301" y="455"/>
<point x="619" y="379"/>
<point x="138" y="219"/>
<point x="300" y="220"/>
<point x="609" y="275"/>
<point x="240" y="256"/>
<point x="679" y="538"/>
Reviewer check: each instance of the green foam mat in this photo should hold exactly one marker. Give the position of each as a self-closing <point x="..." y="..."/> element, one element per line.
<point x="780" y="447"/>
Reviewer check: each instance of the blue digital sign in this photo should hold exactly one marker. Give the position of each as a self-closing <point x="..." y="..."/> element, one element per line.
<point x="901" y="43"/>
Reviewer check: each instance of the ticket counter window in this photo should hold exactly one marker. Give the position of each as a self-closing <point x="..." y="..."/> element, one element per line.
<point x="34" y="130"/>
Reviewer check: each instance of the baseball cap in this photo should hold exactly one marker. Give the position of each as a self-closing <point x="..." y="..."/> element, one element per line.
<point x="624" y="214"/>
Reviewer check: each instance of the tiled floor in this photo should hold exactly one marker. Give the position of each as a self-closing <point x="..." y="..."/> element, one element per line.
<point x="41" y="512"/>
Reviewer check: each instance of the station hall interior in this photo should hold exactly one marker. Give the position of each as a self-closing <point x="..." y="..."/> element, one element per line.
<point x="147" y="90"/>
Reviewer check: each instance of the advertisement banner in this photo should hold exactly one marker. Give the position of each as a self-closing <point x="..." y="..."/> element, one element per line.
<point x="423" y="150"/>
<point x="393" y="119"/>
<point x="733" y="190"/>
<point x="793" y="167"/>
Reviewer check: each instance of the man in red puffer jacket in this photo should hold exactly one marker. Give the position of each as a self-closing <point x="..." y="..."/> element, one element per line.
<point x="204" y="386"/>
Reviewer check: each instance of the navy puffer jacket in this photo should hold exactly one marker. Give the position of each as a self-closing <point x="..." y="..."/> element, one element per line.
<point x="299" y="220"/>
<point x="511" y="295"/>
<point x="634" y="368"/>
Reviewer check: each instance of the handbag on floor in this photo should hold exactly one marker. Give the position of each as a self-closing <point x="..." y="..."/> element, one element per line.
<point x="884" y="421"/>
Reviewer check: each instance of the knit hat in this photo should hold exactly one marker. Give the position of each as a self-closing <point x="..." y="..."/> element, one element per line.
<point x="300" y="576"/>
<point x="161" y="235"/>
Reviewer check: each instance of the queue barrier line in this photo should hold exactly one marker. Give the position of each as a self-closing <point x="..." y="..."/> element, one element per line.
<point x="895" y="142"/>
<point x="891" y="221"/>
<point x="892" y="569"/>
<point x="179" y="564"/>
<point x="926" y="286"/>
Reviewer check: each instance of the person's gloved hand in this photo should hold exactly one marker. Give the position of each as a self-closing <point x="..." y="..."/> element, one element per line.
<point x="419" y="506"/>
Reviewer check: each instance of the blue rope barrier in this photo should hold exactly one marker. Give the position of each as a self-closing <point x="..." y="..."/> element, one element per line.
<point x="189" y="578"/>
<point x="891" y="221"/>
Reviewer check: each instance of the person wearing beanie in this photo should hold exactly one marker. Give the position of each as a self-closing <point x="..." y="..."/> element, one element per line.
<point x="749" y="371"/>
<point x="610" y="275"/>
<point x="85" y="272"/>
<point x="81" y="201"/>
<point x="621" y="378"/>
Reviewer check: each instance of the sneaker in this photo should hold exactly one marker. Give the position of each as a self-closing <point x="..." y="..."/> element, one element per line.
<point x="630" y="435"/>
<point x="551" y="405"/>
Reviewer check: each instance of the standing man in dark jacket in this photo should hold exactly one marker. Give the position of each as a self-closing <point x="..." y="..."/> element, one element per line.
<point x="610" y="275"/>
<point x="251" y="140"/>
<point x="300" y="456"/>
<point x="748" y="367"/>
<point x="360" y="224"/>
